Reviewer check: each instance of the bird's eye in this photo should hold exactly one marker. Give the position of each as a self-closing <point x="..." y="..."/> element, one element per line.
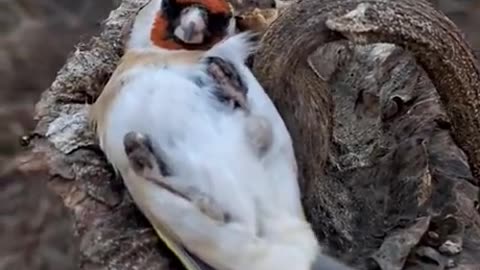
<point x="218" y="22"/>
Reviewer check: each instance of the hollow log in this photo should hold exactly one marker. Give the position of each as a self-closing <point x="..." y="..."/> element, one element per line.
<point x="384" y="145"/>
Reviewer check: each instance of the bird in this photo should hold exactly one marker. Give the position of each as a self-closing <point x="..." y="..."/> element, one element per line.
<point x="164" y="33"/>
<point x="201" y="148"/>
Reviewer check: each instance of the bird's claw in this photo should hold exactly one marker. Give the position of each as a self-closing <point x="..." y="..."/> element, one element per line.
<point x="231" y="87"/>
<point x="145" y="164"/>
<point x="207" y="205"/>
<point x="139" y="152"/>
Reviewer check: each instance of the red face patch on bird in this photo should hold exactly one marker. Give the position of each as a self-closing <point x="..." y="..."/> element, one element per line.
<point x="214" y="6"/>
<point x="192" y="24"/>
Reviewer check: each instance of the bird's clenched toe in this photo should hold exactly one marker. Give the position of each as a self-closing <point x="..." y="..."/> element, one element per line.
<point x="209" y="207"/>
<point x="230" y="86"/>
<point x="136" y="140"/>
<point x="141" y="156"/>
<point x="144" y="163"/>
<point x="139" y="151"/>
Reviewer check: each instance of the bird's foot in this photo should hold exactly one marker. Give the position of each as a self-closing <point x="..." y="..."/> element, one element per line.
<point x="145" y="164"/>
<point x="140" y="153"/>
<point x="231" y="89"/>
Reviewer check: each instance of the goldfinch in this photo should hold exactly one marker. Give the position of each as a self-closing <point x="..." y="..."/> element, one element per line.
<point x="201" y="148"/>
<point x="166" y="35"/>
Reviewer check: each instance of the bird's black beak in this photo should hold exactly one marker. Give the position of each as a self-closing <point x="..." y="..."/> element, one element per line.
<point x="188" y="31"/>
<point x="192" y="26"/>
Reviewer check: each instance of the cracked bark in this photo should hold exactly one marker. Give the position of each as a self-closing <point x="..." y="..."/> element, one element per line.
<point x="379" y="168"/>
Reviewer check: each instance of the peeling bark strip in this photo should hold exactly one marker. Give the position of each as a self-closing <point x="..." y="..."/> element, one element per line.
<point x="439" y="48"/>
<point x="371" y="176"/>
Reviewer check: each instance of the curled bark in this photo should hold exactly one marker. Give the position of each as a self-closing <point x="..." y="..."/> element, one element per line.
<point x="382" y="156"/>
<point x="433" y="39"/>
<point x="378" y="165"/>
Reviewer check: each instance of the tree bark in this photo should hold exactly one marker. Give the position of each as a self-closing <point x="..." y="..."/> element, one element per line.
<point x="373" y="141"/>
<point x="382" y="177"/>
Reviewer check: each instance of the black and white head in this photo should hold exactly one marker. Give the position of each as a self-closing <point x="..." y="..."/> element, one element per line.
<point x="183" y="24"/>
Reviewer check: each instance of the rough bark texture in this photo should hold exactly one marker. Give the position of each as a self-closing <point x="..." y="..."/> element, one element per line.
<point x="384" y="167"/>
<point x="381" y="176"/>
<point x="36" y="229"/>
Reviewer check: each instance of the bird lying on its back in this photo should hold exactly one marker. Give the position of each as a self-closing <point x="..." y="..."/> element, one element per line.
<point x="217" y="175"/>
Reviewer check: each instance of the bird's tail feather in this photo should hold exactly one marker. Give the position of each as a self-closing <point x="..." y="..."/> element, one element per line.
<point x="188" y="260"/>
